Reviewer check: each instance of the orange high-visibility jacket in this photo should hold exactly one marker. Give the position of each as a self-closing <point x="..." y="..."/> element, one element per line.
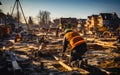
<point x="74" y="39"/>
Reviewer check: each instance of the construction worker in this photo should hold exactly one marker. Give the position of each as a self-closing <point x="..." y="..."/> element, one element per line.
<point x="77" y="43"/>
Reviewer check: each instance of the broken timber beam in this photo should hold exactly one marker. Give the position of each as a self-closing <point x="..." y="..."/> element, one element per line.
<point x="80" y="70"/>
<point x="63" y="64"/>
<point x="16" y="68"/>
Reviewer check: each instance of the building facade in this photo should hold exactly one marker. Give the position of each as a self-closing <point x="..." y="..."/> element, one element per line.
<point x="105" y="21"/>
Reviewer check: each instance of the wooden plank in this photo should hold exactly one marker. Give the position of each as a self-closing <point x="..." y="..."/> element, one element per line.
<point x="16" y="68"/>
<point x="80" y="70"/>
<point x="15" y="65"/>
<point x="107" y="72"/>
<point x="63" y="64"/>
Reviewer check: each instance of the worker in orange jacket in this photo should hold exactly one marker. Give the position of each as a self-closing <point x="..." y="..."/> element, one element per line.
<point x="77" y="43"/>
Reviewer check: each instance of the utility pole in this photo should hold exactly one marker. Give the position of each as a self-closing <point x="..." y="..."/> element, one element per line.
<point x="17" y="4"/>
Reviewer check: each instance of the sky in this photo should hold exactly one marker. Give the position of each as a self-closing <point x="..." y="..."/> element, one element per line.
<point x="64" y="8"/>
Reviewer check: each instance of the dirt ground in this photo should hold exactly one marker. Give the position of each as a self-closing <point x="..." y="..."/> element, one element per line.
<point x="102" y="54"/>
<point x="105" y="55"/>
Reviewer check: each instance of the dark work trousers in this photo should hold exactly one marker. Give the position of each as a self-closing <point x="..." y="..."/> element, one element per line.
<point x="78" y="52"/>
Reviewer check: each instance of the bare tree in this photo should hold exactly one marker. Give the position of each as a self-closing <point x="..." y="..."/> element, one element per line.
<point x="44" y="17"/>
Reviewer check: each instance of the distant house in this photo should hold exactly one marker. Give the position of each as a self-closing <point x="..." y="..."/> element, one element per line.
<point x="56" y="23"/>
<point x="10" y="20"/>
<point x="94" y="20"/>
<point x="81" y="24"/>
<point x="109" y="20"/>
<point x="88" y="23"/>
<point x="66" y="21"/>
<point x="91" y="23"/>
<point x="104" y="19"/>
<point x="7" y="19"/>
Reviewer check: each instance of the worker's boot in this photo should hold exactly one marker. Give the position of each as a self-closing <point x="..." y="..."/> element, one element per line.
<point x="83" y="63"/>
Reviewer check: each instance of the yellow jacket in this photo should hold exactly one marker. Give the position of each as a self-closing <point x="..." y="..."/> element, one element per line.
<point x="74" y="39"/>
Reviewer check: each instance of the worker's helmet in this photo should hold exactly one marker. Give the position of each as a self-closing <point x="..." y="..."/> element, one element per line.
<point x="68" y="30"/>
